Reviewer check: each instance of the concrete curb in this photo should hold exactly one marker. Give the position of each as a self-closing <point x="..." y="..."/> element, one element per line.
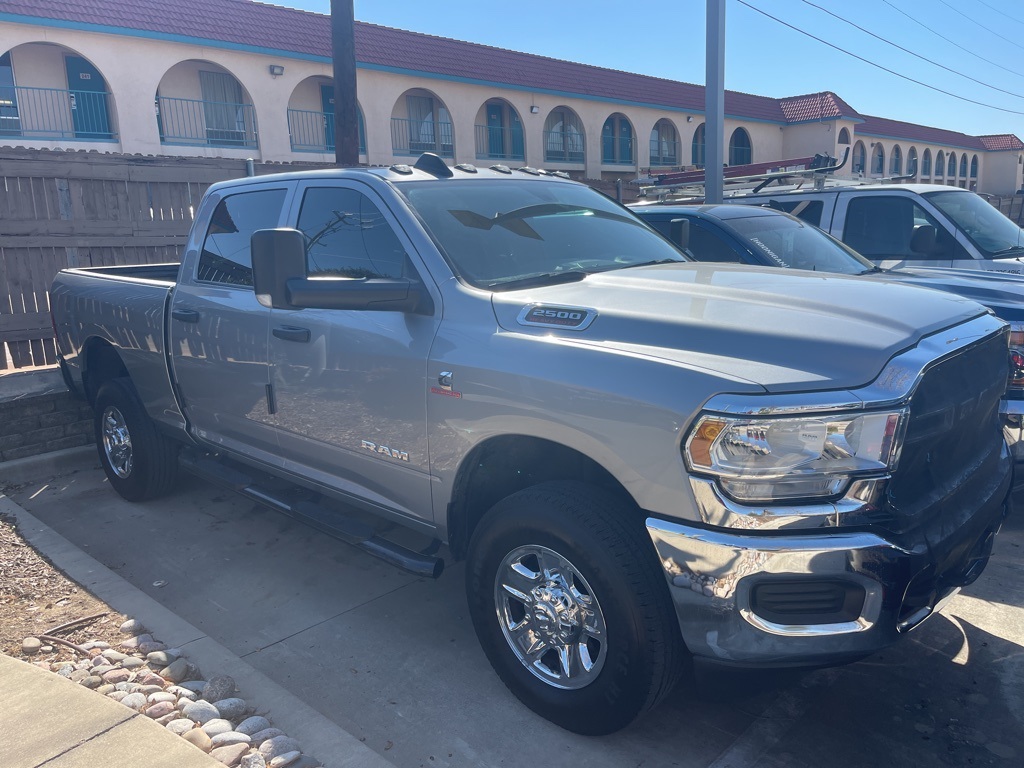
<point x="318" y="736"/>
<point x="17" y="471"/>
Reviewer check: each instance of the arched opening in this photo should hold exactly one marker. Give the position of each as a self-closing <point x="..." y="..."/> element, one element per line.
<point x="912" y="168"/>
<point x="844" y="135"/>
<point x="896" y="161"/>
<point x="420" y="122"/>
<point x="859" y="157"/>
<point x="974" y="167"/>
<point x="963" y="166"/>
<point x="664" y="144"/>
<point x="499" y="132"/>
<point x="49" y="91"/>
<point x="311" y="117"/>
<point x="697" y="147"/>
<point x="951" y="166"/>
<point x="617" y="141"/>
<point x="878" y="160"/>
<point x="199" y="103"/>
<point x="564" y="138"/>
<point x="926" y="164"/>
<point x="940" y="164"/>
<point x="739" y="148"/>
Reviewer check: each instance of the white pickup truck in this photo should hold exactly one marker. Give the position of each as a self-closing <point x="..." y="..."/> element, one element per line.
<point x="905" y="225"/>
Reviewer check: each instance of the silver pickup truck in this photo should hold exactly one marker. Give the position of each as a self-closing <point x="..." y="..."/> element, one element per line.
<point x="640" y="459"/>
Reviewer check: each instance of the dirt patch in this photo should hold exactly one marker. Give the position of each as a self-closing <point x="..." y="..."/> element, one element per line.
<point x="35" y="596"/>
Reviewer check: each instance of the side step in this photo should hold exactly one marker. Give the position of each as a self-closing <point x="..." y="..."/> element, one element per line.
<point x="347" y="529"/>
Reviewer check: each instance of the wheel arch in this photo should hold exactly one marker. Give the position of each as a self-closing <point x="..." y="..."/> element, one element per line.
<point x="499" y="466"/>
<point x="101" y="362"/>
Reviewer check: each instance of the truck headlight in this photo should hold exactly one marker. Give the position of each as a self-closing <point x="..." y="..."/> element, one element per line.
<point x="793" y="457"/>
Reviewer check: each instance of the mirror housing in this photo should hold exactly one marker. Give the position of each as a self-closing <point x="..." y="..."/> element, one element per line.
<point x="679" y="233"/>
<point x="281" y="282"/>
<point x="923" y="240"/>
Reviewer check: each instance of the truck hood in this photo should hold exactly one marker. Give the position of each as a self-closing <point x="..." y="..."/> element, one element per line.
<point x="1001" y="292"/>
<point x="785" y="330"/>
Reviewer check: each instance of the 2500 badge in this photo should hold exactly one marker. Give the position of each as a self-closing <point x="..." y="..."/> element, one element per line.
<point x="547" y="316"/>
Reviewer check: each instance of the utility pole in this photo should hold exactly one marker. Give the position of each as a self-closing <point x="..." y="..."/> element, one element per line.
<point x="346" y="113"/>
<point x="714" y="103"/>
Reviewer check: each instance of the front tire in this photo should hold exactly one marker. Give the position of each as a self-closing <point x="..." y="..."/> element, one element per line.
<point x="139" y="462"/>
<point x="571" y="607"/>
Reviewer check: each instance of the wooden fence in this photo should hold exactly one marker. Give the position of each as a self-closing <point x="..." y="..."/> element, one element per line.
<point x="85" y="209"/>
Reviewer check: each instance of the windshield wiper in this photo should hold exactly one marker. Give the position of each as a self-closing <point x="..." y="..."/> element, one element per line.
<point x="646" y="264"/>
<point x="544" y="278"/>
<point x="1010" y="249"/>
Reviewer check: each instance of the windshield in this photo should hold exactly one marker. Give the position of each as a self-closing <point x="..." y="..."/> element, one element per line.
<point x="789" y="242"/>
<point x="991" y="232"/>
<point x="503" y="234"/>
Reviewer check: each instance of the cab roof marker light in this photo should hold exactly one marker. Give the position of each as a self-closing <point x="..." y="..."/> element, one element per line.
<point x="401" y="168"/>
<point x="529" y="170"/>
<point x="501" y="168"/>
<point x="466" y="167"/>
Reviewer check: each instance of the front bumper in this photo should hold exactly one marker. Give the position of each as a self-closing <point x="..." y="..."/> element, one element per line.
<point x="713" y="574"/>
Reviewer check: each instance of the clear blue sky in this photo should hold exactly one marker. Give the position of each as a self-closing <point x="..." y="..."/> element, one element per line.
<point x="666" y="39"/>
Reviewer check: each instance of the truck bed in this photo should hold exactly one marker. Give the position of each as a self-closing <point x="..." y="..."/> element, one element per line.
<point x="124" y="307"/>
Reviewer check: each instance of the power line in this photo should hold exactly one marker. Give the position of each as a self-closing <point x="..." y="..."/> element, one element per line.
<point x="1001" y="37"/>
<point x="879" y="66"/>
<point x="907" y="50"/>
<point x="1004" y="13"/>
<point x="953" y="42"/>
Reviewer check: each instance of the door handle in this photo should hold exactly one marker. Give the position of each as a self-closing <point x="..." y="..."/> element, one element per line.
<point x="185" y="315"/>
<point x="292" y="333"/>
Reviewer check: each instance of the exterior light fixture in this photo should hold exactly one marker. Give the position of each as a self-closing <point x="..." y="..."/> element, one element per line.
<point x="534" y="109"/>
<point x="276" y="70"/>
<point x="689" y="118"/>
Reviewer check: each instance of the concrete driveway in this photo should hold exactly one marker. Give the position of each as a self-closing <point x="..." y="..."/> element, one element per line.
<point x="393" y="659"/>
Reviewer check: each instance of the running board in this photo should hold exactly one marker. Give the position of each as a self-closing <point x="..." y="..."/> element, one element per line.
<point x="347" y="529"/>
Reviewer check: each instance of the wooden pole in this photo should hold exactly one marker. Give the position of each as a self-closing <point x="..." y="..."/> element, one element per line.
<point x="346" y="112"/>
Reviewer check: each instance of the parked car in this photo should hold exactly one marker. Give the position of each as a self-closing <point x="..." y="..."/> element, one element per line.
<point x="769" y="237"/>
<point x="906" y="225"/>
<point x="638" y="457"/>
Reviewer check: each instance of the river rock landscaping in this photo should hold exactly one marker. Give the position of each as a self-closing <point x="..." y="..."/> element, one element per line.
<point x="117" y="657"/>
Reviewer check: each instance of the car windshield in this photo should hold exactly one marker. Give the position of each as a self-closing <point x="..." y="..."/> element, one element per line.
<point x="789" y="242"/>
<point x="503" y="234"/>
<point x="990" y="231"/>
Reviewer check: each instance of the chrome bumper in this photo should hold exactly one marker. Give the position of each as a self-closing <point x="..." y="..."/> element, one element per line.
<point x="713" y="572"/>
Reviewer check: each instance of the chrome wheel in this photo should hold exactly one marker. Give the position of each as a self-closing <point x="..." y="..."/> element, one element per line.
<point x="550" y="617"/>
<point x="117" y="442"/>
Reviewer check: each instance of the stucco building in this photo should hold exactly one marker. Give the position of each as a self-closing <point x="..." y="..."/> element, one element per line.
<point x="236" y="78"/>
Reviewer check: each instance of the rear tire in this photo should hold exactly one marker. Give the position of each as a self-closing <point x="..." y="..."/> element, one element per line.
<point x="139" y="462"/>
<point x="571" y="607"/>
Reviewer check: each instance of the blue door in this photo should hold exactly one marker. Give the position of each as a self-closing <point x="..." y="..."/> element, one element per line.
<point x="327" y="106"/>
<point x="87" y="92"/>
<point x="496" y="130"/>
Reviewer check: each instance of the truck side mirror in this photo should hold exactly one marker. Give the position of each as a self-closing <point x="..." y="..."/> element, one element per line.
<point x="679" y="233"/>
<point x="923" y="240"/>
<point x="277" y="256"/>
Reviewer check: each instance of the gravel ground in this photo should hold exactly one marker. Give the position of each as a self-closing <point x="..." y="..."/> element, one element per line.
<point x="117" y="657"/>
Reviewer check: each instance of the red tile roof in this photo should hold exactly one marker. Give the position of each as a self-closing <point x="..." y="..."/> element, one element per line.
<point x="815" y="106"/>
<point x="1001" y="141"/>
<point x="253" y="24"/>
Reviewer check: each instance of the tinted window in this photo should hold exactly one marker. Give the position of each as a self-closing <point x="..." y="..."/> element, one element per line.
<point x="788" y="242"/>
<point x="707" y="245"/>
<point x="884" y="227"/>
<point x="226" y="257"/>
<point x="805" y="210"/>
<point x="348" y="236"/>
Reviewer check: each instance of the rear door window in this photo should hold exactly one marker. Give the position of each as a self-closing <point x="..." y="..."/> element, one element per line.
<point x="226" y="257"/>
<point x="708" y="245"/>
